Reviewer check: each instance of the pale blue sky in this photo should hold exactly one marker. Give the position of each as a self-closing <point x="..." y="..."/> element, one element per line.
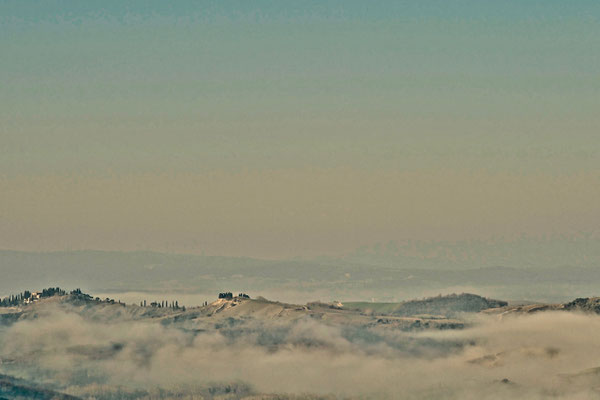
<point x="466" y="89"/>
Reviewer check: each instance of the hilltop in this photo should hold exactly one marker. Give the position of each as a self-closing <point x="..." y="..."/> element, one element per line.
<point x="440" y="305"/>
<point x="588" y="305"/>
<point x="242" y="309"/>
<point x="429" y="312"/>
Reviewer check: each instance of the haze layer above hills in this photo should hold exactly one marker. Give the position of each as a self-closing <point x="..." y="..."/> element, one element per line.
<point x="137" y="273"/>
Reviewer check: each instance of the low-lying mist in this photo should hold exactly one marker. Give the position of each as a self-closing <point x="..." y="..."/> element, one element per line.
<point x="543" y="355"/>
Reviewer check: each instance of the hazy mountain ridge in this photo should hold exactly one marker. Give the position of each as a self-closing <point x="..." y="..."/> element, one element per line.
<point x="552" y="251"/>
<point x="288" y="280"/>
<point x="448" y="305"/>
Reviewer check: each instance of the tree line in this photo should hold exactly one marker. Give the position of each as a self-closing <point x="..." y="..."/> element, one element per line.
<point x="23" y="297"/>
<point x="173" y="305"/>
<point x="28" y="296"/>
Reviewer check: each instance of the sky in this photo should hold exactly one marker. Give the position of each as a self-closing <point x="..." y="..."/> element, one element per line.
<point x="279" y="129"/>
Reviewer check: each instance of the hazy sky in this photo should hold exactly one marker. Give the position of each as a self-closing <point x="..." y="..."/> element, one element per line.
<point x="284" y="128"/>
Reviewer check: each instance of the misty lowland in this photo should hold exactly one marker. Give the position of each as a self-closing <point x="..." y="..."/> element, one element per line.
<point x="66" y="343"/>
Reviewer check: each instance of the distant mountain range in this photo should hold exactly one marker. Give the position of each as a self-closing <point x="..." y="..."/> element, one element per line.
<point x="581" y="250"/>
<point x="289" y="280"/>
